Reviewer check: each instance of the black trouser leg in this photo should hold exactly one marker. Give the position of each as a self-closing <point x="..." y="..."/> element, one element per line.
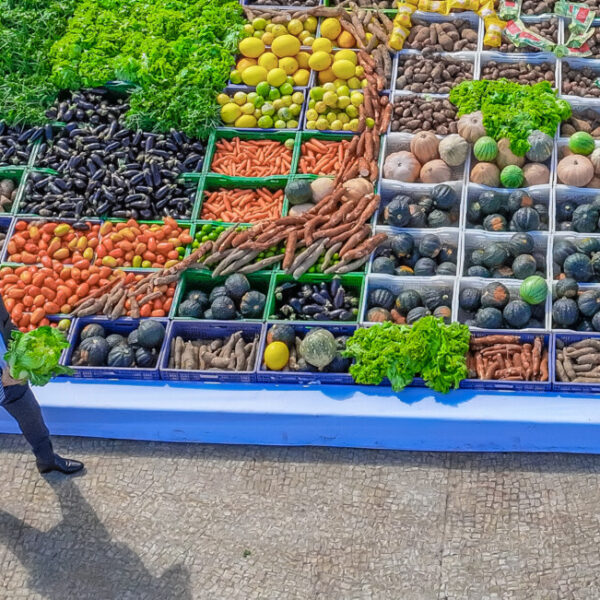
<point x="22" y="405"/>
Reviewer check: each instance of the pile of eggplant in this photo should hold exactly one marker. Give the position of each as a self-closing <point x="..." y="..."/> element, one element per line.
<point x="108" y="170"/>
<point x="326" y="301"/>
<point x="16" y="144"/>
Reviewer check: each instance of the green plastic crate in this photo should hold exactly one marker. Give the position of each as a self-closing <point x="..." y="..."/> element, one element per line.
<point x="351" y="282"/>
<point x="228" y="134"/>
<point x="193" y="279"/>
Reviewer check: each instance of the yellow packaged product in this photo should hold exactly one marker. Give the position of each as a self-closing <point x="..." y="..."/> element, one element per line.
<point x="462" y="5"/>
<point x="402" y="18"/>
<point x="398" y="37"/>
<point x="435" y="6"/>
<point x="493" y="32"/>
<point x="486" y="9"/>
<point x="399" y="2"/>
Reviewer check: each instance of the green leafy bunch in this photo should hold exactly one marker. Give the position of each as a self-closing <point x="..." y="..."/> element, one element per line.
<point x="28" y="29"/>
<point x="179" y="53"/>
<point x="511" y="110"/>
<point x="430" y="348"/>
<point x="34" y="355"/>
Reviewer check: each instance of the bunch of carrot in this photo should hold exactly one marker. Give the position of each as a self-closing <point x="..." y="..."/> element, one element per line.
<point x="251" y="158"/>
<point x="133" y="244"/>
<point x="242" y="206"/>
<point x="38" y="242"/>
<point x="322" y="157"/>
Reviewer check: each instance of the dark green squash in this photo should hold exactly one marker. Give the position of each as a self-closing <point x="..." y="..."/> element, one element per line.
<point x="567" y="288"/>
<point x="565" y="313"/>
<point x="339" y="364"/>
<point x="495" y="295"/>
<point x="494" y="255"/>
<point x="565" y="210"/>
<point x="398" y="213"/>
<point x="252" y="304"/>
<point x="237" y="285"/>
<point x="298" y="191"/>
<point x="520" y="243"/>
<point x="430" y="245"/>
<point x="426" y="202"/>
<point x="425" y="267"/>
<point x="517" y="314"/>
<point x="444" y="196"/>
<point x="518" y="199"/>
<point x="407" y="300"/>
<point x="93" y="351"/>
<point x="443" y="312"/>
<point x="489" y="318"/>
<point x="121" y="357"/>
<point x="434" y="297"/>
<point x="585" y="218"/>
<point x="502" y="272"/>
<point x="495" y="222"/>
<point x="579" y="267"/>
<point x="490" y="202"/>
<point x="282" y="333"/>
<point x="587" y="245"/>
<point x="150" y="333"/>
<point x="217" y="291"/>
<point x="446" y="268"/>
<point x="596" y="322"/>
<point x="381" y="297"/>
<point x="383" y="264"/>
<point x="318" y="347"/>
<point x="190" y="309"/>
<point x="469" y="299"/>
<point x="474" y="213"/>
<point x="447" y="253"/>
<point x="526" y="219"/>
<point x="438" y="218"/>
<point x="477" y="256"/>
<point x="524" y="266"/>
<point x="144" y="358"/>
<point x="478" y="271"/>
<point x="402" y="245"/>
<point x="585" y="325"/>
<point x="418" y="217"/>
<point x="542" y="211"/>
<point x="92" y="330"/>
<point x="561" y="250"/>
<point x="114" y="339"/>
<point x="415" y="314"/>
<point x="378" y="315"/>
<point x="200" y="297"/>
<point x="595" y="262"/>
<point x="588" y="303"/>
<point x="223" y="308"/>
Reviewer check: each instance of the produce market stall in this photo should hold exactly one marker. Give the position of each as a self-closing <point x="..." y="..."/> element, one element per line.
<point x="393" y="197"/>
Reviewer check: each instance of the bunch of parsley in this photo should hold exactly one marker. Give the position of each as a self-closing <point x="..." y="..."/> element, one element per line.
<point x="511" y="110"/>
<point x="430" y="348"/>
<point x="179" y="53"/>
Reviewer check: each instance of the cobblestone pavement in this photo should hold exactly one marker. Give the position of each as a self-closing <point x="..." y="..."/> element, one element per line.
<point x="173" y="521"/>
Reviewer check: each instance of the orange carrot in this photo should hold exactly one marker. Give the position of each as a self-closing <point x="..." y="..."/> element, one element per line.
<point x="322" y="157"/>
<point x="251" y="158"/>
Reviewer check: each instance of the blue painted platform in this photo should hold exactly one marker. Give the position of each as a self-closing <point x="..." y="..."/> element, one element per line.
<point x="343" y="416"/>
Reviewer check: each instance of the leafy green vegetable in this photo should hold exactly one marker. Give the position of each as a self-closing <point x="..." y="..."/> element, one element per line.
<point x="34" y="355"/>
<point x="429" y="348"/>
<point x="28" y="28"/>
<point x="179" y="52"/>
<point x="511" y="110"/>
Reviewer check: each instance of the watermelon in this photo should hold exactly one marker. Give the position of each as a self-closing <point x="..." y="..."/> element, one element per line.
<point x="511" y="176"/>
<point x="485" y="149"/>
<point x="581" y="143"/>
<point x="533" y="289"/>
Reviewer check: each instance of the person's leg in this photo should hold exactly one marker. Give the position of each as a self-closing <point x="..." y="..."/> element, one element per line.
<point x="23" y="407"/>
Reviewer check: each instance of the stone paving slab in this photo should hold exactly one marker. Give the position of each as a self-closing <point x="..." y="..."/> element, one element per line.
<point x="180" y="521"/>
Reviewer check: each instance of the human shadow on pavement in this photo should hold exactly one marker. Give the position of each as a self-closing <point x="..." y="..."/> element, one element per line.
<point x="78" y="559"/>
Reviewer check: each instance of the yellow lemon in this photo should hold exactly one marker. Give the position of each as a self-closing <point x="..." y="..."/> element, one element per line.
<point x="301" y="77"/>
<point x="312" y="114"/>
<point x="276" y="356"/>
<point x="330" y="98"/>
<point x="343" y="69"/>
<point x="248" y="108"/>
<point x="240" y="98"/>
<point x="354" y="83"/>
<point x="356" y="98"/>
<point x="289" y="65"/>
<point x="267" y="38"/>
<point x="268" y="60"/>
<point x="331" y="28"/>
<point x="304" y="35"/>
<point x="248" y="29"/>
<point x="322" y="124"/>
<point x="285" y="45"/>
<point x="322" y="44"/>
<point x="223" y="99"/>
<point x="259" y="23"/>
<point x="346" y="55"/>
<point x="246" y="121"/>
<point x="244" y="63"/>
<point x="254" y="75"/>
<point x="310" y="24"/>
<point x="279" y="30"/>
<point x="336" y="125"/>
<point x="346" y="40"/>
<point x="302" y="58"/>
<point x="251" y="47"/>
<point x="230" y="112"/>
<point x="276" y="77"/>
<point x="326" y="76"/>
<point x="295" y="26"/>
<point x="309" y="41"/>
<point x="319" y="61"/>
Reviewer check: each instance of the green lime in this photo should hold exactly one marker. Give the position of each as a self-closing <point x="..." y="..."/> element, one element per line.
<point x="265" y="122"/>
<point x="267" y="109"/>
<point x="289" y="143"/>
<point x="274" y="94"/>
<point x="263" y="89"/>
<point x="258" y="101"/>
<point x="196" y="244"/>
<point x="286" y="89"/>
<point x="204" y="239"/>
<point x="317" y="93"/>
<point x="235" y="77"/>
<point x="285" y="114"/>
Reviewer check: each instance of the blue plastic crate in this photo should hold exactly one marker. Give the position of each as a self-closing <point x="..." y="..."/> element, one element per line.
<point x="572" y="388"/>
<point x="304" y="378"/>
<point x="193" y="330"/>
<point x="523" y="386"/>
<point x="124" y="327"/>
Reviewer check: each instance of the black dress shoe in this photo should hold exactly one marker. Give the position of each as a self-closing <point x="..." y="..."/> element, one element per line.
<point x="63" y="465"/>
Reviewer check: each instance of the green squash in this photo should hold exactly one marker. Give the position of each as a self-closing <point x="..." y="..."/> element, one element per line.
<point x="511" y="176"/>
<point x="252" y="304"/>
<point x="298" y="191"/>
<point x="485" y="149"/>
<point x="581" y="143"/>
<point x="318" y="348"/>
<point x="540" y="146"/>
<point x="150" y="333"/>
<point x="533" y="289"/>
